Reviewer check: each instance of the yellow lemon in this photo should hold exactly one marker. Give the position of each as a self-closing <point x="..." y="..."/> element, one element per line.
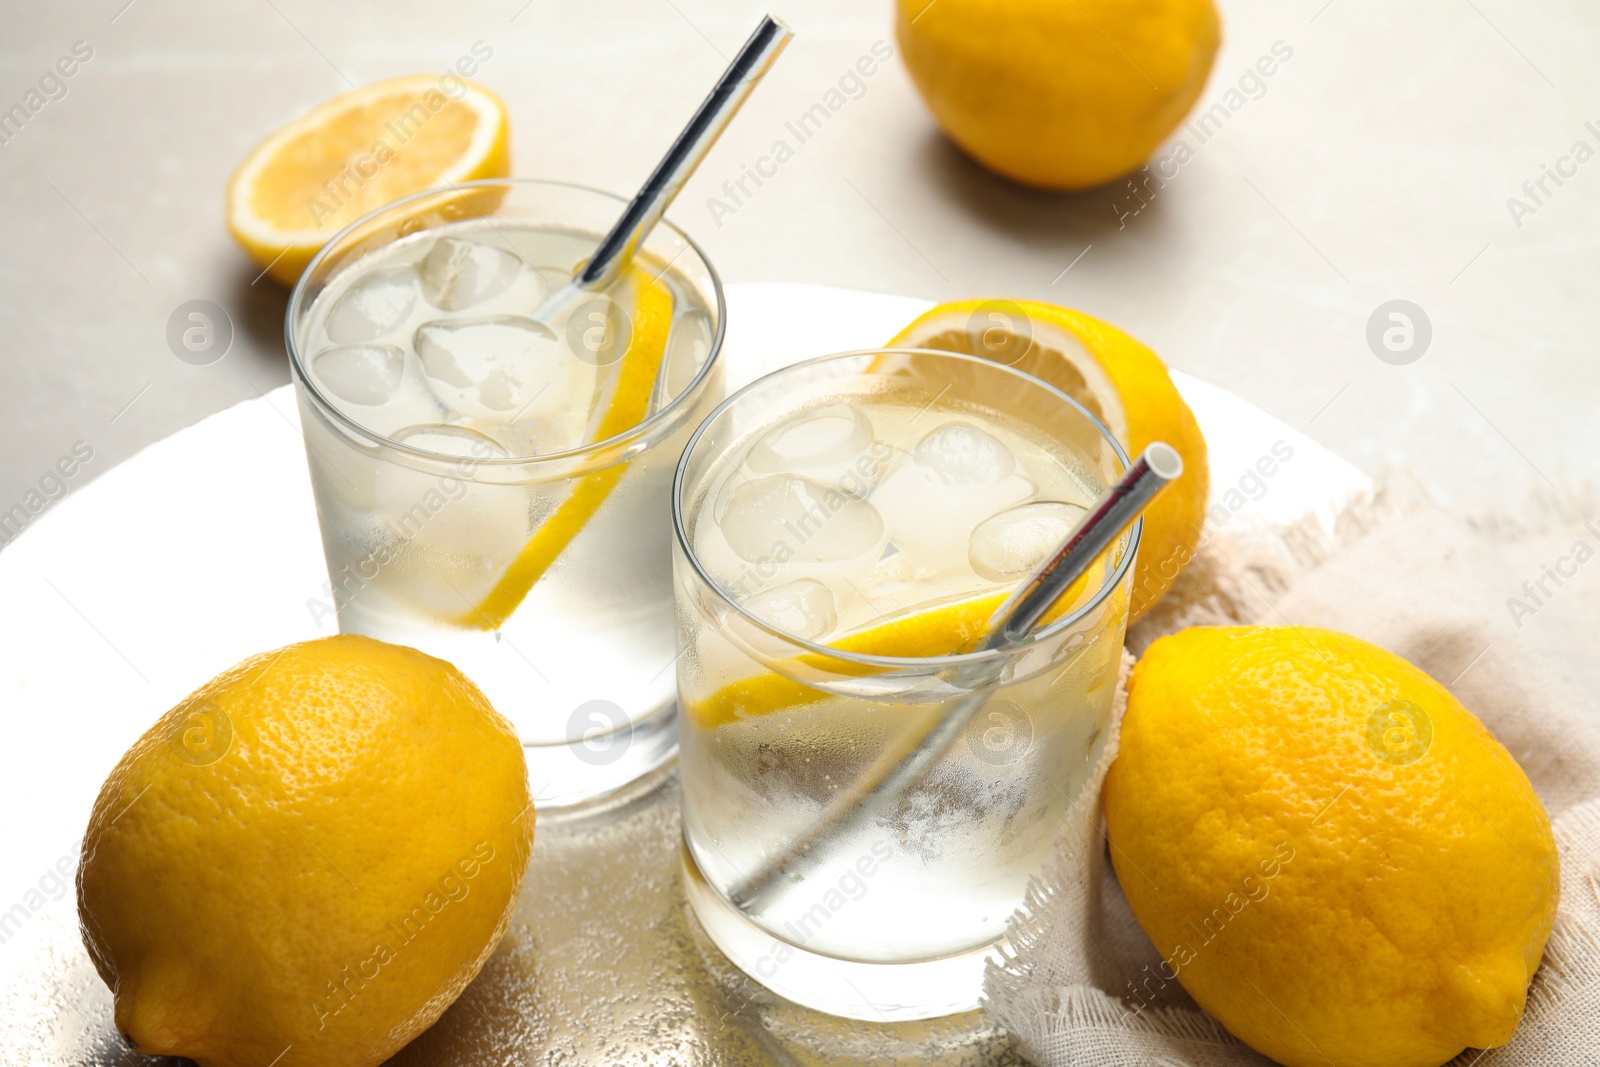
<point x="1114" y="376"/>
<point x="631" y="388"/>
<point x="923" y="633"/>
<point x="357" y="152"/>
<point x="937" y="631"/>
<point x="1330" y="853"/>
<point x="307" y="859"/>
<point x="1058" y="95"/>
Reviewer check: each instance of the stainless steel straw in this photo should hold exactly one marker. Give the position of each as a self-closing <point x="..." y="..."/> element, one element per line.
<point x="658" y="191"/>
<point x="905" y="764"/>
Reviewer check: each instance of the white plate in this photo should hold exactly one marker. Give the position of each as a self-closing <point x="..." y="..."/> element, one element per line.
<point x="203" y="549"/>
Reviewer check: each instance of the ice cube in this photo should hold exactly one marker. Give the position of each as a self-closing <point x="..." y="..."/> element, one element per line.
<point x="688" y="346"/>
<point x="448" y="439"/>
<point x="373" y="306"/>
<point x="803" y="607"/>
<point x="458" y="274"/>
<point x="455" y="533"/>
<point x="497" y="366"/>
<point x="360" y="374"/>
<point x="788" y="517"/>
<point x="958" y="476"/>
<point x="1008" y="546"/>
<point x="962" y="454"/>
<point x="833" y="443"/>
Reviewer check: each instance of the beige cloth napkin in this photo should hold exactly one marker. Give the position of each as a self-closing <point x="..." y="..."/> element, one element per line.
<point x="1448" y="595"/>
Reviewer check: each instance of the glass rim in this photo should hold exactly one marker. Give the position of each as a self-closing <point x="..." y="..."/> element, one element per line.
<point x="1044" y="633"/>
<point x="641" y="428"/>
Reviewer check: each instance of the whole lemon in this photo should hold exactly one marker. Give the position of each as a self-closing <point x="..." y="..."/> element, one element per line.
<point x="1058" y="95"/>
<point x="306" y="860"/>
<point x="1331" y="854"/>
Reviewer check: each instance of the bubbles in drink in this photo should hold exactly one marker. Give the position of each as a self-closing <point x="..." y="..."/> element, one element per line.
<point x="360" y="374"/>
<point x="1008" y="546"/>
<point x="957" y="476"/>
<point x="458" y="274"/>
<point x="787" y="517"/>
<point x="494" y="366"/>
<point x="804" y="608"/>
<point x="825" y="443"/>
<point x="373" y="306"/>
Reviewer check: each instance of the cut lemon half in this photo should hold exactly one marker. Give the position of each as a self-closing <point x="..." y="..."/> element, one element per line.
<point x="925" y="633"/>
<point x="356" y="153"/>
<point x="1119" y="380"/>
<point x="633" y="384"/>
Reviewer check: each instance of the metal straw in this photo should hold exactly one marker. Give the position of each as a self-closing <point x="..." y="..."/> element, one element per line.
<point x="658" y="191"/>
<point x="909" y="760"/>
<point x="1013" y="620"/>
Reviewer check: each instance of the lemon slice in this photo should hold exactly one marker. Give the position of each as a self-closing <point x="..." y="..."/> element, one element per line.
<point x="635" y="381"/>
<point x="937" y="631"/>
<point x="355" y="153"/>
<point x="1114" y="376"/>
<point x="943" y="630"/>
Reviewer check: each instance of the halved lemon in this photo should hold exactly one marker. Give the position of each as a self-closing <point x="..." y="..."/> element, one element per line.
<point x="1115" y="377"/>
<point x="355" y="153"/>
<point x="632" y="385"/>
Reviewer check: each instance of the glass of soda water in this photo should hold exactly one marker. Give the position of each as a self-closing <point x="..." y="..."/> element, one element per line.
<point x="492" y="487"/>
<point x="844" y="527"/>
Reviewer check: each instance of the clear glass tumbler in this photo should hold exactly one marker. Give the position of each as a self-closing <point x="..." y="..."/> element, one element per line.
<point x="493" y="488"/>
<point x="842" y="525"/>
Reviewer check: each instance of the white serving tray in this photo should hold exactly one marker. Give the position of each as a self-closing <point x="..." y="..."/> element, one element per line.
<point x="202" y="549"/>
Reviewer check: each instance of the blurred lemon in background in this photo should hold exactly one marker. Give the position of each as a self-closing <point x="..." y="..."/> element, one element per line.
<point x="1060" y="94"/>
<point x="307" y="860"/>
<point x="1330" y="853"/>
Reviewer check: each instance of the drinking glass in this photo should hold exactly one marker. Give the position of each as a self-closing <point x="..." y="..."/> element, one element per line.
<point x="897" y="914"/>
<point x="493" y="489"/>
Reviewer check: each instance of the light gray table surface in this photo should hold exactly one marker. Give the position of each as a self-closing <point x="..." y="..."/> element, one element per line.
<point x="1375" y="164"/>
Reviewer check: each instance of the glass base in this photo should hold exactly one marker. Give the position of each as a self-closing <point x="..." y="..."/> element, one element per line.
<point x="566" y="773"/>
<point x="872" y="992"/>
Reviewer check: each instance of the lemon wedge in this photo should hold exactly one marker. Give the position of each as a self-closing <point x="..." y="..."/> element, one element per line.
<point x="358" y="152"/>
<point x="928" y="632"/>
<point x="924" y="633"/>
<point x="634" y="383"/>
